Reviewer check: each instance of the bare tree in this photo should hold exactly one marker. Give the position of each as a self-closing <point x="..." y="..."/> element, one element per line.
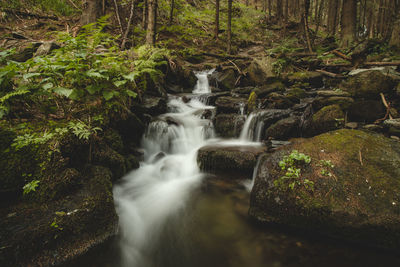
<point x="229" y="26"/>
<point x="152" y="22"/>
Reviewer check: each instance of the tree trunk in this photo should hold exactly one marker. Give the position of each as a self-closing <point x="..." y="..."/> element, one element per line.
<point x="279" y="12"/>
<point x="349" y="17"/>
<point x="91" y="11"/>
<point x="216" y="31"/>
<point x="332" y="16"/>
<point x="395" y="37"/>
<point x="152" y="21"/>
<point x="304" y="20"/>
<point x="171" y="12"/>
<point x="229" y="26"/>
<point x="145" y="14"/>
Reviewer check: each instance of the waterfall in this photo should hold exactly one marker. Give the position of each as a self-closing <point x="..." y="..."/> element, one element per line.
<point x="202" y="86"/>
<point x="147" y="197"/>
<point x="252" y="128"/>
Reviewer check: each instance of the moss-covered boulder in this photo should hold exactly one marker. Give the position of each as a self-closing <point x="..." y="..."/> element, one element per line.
<point x="327" y="119"/>
<point x="343" y="102"/>
<point x="366" y="110"/>
<point x="368" y="84"/>
<point x="278" y="101"/>
<point x="311" y="78"/>
<point x="284" y="129"/>
<point x="355" y="193"/>
<point x="261" y="71"/>
<point x="228" y="104"/>
<point x="296" y="93"/>
<point x="224" y="79"/>
<point x="269" y="87"/>
<point x="229" y="125"/>
<point x="229" y="159"/>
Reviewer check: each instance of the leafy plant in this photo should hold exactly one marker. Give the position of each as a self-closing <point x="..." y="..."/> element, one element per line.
<point x="83" y="131"/>
<point x="292" y="164"/>
<point x="30" y="187"/>
<point x="326" y="165"/>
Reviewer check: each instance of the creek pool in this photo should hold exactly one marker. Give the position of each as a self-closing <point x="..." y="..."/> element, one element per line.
<point x="214" y="230"/>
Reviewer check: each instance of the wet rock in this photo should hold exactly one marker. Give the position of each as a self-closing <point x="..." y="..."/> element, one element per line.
<point x="373" y="127"/>
<point x="264" y="90"/>
<point x="229" y="125"/>
<point x="229" y="159"/>
<point x="395" y="123"/>
<point x="358" y="201"/>
<point x="180" y="79"/>
<point x="295" y="94"/>
<point x="284" y="129"/>
<point x="343" y="102"/>
<point x="330" y="93"/>
<point x="312" y="78"/>
<point x="224" y="79"/>
<point x="154" y="105"/>
<point x="366" y="111"/>
<point x="46" y="48"/>
<point x="243" y="90"/>
<point x="351" y="125"/>
<point x="327" y="119"/>
<point x="107" y="157"/>
<point x="277" y="101"/>
<point x="25" y="52"/>
<point x="260" y="71"/>
<point x="130" y="128"/>
<point x="368" y="84"/>
<point x="227" y="104"/>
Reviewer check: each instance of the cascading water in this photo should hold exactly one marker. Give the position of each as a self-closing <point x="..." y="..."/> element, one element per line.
<point x="202" y="86"/>
<point x="146" y="198"/>
<point x="252" y="128"/>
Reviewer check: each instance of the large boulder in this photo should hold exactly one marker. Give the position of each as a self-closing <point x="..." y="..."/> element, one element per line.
<point x="368" y="84"/>
<point x="308" y="79"/>
<point x="224" y="79"/>
<point x="261" y="70"/>
<point x="284" y="129"/>
<point x="228" y="104"/>
<point x="342" y="101"/>
<point x="366" y="110"/>
<point x="355" y="193"/>
<point x="327" y="119"/>
<point x="229" y="159"/>
<point x="269" y="87"/>
<point x="229" y="125"/>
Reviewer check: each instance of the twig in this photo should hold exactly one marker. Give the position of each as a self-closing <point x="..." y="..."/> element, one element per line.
<point x="72" y="3"/>
<point x="129" y="24"/>
<point x="341" y="55"/>
<point x="330" y="74"/>
<point x="118" y="17"/>
<point x="360" y="156"/>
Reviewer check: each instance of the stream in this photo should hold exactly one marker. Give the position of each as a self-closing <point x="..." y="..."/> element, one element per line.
<point x="173" y="215"/>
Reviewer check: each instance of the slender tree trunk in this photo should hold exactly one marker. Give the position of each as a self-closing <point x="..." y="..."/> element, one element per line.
<point x="269" y="8"/>
<point x="216" y="31"/>
<point x="229" y="26"/>
<point x="129" y="24"/>
<point x="145" y="14"/>
<point x="152" y="22"/>
<point x="332" y="16"/>
<point x="279" y="12"/>
<point x="395" y="36"/>
<point x="306" y="8"/>
<point x="349" y="17"/>
<point x="171" y="12"/>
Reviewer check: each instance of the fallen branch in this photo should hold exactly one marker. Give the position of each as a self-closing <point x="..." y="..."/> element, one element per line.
<point x="341" y="55"/>
<point x="302" y="54"/>
<point x="227" y="57"/>
<point x="387" y="106"/>
<point x="28" y="14"/>
<point x="73" y="4"/>
<point x="330" y="74"/>
<point x="393" y="63"/>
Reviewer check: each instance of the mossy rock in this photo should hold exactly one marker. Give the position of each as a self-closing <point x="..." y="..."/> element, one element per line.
<point x="270" y="87"/>
<point x="296" y="93"/>
<point x="26" y="52"/>
<point x="327" y="119"/>
<point x="359" y="200"/>
<point x="229" y="159"/>
<point x="228" y="125"/>
<point x="368" y="84"/>
<point x="15" y="166"/>
<point x="366" y="110"/>
<point x="224" y="79"/>
<point x="279" y="101"/>
<point x="284" y="129"/>
<point x="343" y="102"/>
<point x="312" y="78"/>
<point x="261" y="70"/>
<point x="228" y="104"/>
<point x="104" y="155"/>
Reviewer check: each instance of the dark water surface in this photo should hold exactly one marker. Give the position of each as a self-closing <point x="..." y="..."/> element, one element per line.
<point x="215" y="231"/>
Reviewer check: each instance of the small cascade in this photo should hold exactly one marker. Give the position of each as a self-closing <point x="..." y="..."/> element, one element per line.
<point x="252" y="128"/>
<point x="202" y="86"/>
<point x="152" y="195"/>
<point x="250" y="183"/>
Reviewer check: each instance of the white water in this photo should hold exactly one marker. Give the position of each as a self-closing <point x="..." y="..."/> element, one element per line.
<point x="252" y="128"/>
<point x="202" y="86"/>
<point x="147" y="197"/>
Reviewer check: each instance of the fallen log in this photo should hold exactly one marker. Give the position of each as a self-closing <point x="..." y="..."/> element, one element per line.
<point x="227" y="57"/>
<point x="28" y="14"/>
<point x="331" y="74"/>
